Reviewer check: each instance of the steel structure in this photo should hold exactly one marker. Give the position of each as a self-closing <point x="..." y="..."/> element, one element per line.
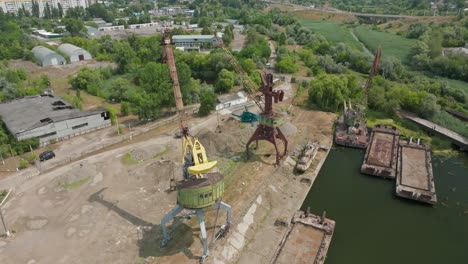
<point x="351" y="128"/>
<point x="203" y="184"/>
<point x="270" y="121"/>
<point x="268" y="128"/>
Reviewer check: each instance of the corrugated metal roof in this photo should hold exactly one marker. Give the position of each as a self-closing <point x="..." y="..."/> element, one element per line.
<point x="230" y="97"/>
<point x="26" y="113"/>
<point x="41" y="52"/>
<point x="70" y="49"/>
<point x="190" y="37"/>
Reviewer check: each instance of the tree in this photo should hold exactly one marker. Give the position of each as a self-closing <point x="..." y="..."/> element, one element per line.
<point x="282" y="39"/>
<point x="435" y="44"/>
<point x="206" y="31"/>
<point x="124" y="56"/>
<point x="225" y="81"/>
<point x="287" y="64"/>
<point x="417" y="29"/>
<point x="429" y="107"/>
<point x="118" y="87"/>
<point x="248" y="65"/>
<point x="124" y="108"/>
<point x="60" y="10"/>
<point x="75" y="26"/>
<point x="35" y="9"/>
<point x="328" y="91"/>
<point x="392" y="68"/>
<point x="207" y="101"/>
<point x="47" y="12"/>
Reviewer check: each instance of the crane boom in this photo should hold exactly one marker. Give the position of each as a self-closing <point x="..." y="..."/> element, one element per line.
<point x="373" y="71"/>
<point x="251" y="87"/>
<point x="168" y="57"/>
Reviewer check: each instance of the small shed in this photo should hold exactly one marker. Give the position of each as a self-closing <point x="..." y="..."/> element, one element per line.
<point x="48" y="57"/>
<point x="74" y="53"/>
<point x="229" y="100"/>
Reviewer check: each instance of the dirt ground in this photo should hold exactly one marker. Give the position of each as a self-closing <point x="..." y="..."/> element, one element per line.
<point x="106" y="208"/>
<point x="320" y="15"/>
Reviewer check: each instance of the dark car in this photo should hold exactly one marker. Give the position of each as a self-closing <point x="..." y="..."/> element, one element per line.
<point x="46" y="155"/>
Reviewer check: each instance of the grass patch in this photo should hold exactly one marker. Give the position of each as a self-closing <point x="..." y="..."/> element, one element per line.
<point x="333" y="31"/>
<point x="75" y="184"/>
<point x="128" y="160"/>
<point x="162" y="153"/>
<point x="408" y="129"/>
<point x="452" y="83"/>
<point x="3" y="194"/>
<point x="392" y="44"/>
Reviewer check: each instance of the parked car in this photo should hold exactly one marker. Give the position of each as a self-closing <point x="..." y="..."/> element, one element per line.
<point x="46" y="155"/>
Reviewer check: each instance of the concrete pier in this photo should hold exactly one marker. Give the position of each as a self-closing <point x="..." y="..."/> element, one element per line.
<point x="414" y="172"/>
<point x="432" y="128"/>
<point x="381" y="155"/>
<point x="306" y="241"/>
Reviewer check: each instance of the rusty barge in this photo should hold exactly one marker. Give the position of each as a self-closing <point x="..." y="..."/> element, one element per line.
<point x="414" y="178"/>
<point x="307" y="240"/>
<point x="381" y="154"/>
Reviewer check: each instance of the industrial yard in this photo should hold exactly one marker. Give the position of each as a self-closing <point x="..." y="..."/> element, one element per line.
<point x="107" y="207"/>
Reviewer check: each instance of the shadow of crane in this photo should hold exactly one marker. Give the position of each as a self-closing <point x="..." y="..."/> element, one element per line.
<point x="150" y="235"/>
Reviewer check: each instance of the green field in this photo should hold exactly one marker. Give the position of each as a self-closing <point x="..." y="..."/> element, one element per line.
<point x="332" y="31"/>
<point x="392" y="44"/>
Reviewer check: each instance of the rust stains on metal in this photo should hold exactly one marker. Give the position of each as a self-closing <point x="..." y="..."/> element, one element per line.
<point x="414" y="172"/>
<point x="381" y="155"/>
<point x="306" y="241"/>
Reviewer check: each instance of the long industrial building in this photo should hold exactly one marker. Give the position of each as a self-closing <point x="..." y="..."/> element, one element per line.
<point x="12" y="6"/>
<point x="48" y="57"/>
<point x="74" y="53"/>
<point x="194" y="41"/>
<point x="49" y="118"/>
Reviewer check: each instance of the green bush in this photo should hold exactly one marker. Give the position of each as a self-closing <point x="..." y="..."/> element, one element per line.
<point x="23" y="164"/>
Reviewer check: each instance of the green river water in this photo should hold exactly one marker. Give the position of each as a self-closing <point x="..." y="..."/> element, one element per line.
<point x="373" y="226"/>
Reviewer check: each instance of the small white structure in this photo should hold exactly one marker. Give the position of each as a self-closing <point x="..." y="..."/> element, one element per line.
<point x="229" y="100"/>
<point x="48" y="57"/>
<point x="74" y="53"/>
<point x="455" y="51"/>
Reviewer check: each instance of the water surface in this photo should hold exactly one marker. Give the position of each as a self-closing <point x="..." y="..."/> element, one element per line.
<point x="376" y="227"/>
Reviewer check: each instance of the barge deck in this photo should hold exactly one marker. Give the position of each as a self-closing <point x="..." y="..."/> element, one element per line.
<point x="381" y="155"/>
<point x="307" y="240"/>
<point x="414" y="173"/>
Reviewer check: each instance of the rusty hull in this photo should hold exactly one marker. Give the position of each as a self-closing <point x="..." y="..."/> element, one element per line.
<point x="381" y="155"/>
<point x="307" y="240"/>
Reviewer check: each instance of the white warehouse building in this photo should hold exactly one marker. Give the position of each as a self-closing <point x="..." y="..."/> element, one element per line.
<point x="229" y="100"/>
<point x="48" y="57"/>
<point x="49" y="118"/>
<point x="194" y="41"/>
<point x="74" y="53"/>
